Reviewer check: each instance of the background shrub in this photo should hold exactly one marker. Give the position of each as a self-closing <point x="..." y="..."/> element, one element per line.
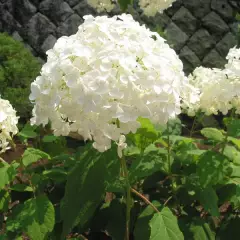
<point x="18" y="68"/>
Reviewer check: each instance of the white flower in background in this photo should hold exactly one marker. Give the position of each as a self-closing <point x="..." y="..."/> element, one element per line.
<point x="152" y="7"/>
<point x="8" y="124"/>
<point x="99" y="81"/>
<point x="233" y="65"/>
<point x="218" y="89"/>
<point x="215" y="91"/>
<point x="102" y="5"/>
<point x="232" y="69"/>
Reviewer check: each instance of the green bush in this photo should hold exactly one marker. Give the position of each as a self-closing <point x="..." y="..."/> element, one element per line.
<point x="18" y="68"/>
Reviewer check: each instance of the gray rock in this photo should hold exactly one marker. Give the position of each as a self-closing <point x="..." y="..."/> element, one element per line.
<point x="8" y="6"/>
<point x="228" y="41"/>
<point x="38" y="28"/>
<point x="215" y="24"/>
<point x="41" y="61"/>
<point x="160" y="19"/>
<point x="36" y="2"/>
<point x="171" y="32"/>
<point x="234" y="28"/>
<point x="73" y="3"/>
<point x="24" y="10"/>
<point x="17" y="37"/>
<point x="190" y="59"/>
<point x="235" y="4"/>
<point x="201" y="42"/>
<point x="70" y="26"/>
<point x="27" y="46"/>
<point x="84" y="9"/>
<point x="48" y="43"/>
<point x="57" y="10"/>
<point x="8" y="21"/>
<point x="223" y="9"/>
<point x="174" y="8"/>
<point x="185" y="20"/>
<point x="199" y="8"/>
<point x="213" y="60"/>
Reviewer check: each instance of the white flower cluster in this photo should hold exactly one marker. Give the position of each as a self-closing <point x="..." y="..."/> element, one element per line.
<point x="8" y="124"/>
<point x="100" y="80"/>
<point x="102" y="5"/>
<point x="149" y="7"/>
<point x="152" y="7"/>
<point x="218" y="89"/>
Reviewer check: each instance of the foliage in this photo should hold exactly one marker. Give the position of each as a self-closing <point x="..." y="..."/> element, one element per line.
<point x="181" y="187"/>
<point x="18" y="68"/>
<point x="173" y="182"/>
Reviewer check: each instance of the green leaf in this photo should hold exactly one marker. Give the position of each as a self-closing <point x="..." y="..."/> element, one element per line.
<point x="49" y="138"/>
<point x="212" y="168"/>
<point x="237" y="17"/>
<point x="213" y="134"/>
<point x="124" y="4"/>
<point x="201" y="230"/>
<point x="164" y="226"/>
<point x="57" y="174"/>
<point x="116" y="220"/>
<point x="233" y="127"/>
<point x="209" y="199"/>
<point x="28" y="132"/>
<point x="208" y="121"/>
<point x="144" y="135"/>
<point x="235" y="200"/>
<point x="32" y="155"/>
<point x="117" y="186"/>
<point x="235" y="141"/>
<point x="233" y="154"/>
<point x="7" y="174"/>
<point x="35" y="217"/>
<point x="142" y="229"/>
<point x="21" y="188"/>
<point x="4" y="200"/>
<point x="173" y="127"/>
<point x="196" y="152"/>
<point x="235" y="171"/>
<point x="86" y="185"/>
<point x="230" y="230"/>
<point x="153" y="159"/>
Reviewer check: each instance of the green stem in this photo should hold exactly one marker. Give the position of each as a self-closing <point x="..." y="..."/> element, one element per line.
<point x="144" y="199"/>
<point x="224" y="143"/>
<point x="168" y="150"/>
<point x="193" y="127"/>
<point x="128" y="196"/>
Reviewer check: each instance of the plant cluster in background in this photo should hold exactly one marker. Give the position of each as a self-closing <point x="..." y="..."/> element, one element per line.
<point x="18" y="68"/>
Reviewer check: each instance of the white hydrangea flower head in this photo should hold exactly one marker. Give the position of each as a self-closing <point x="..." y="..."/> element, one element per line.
<point x="232" y="69"/>
<point x="152" y="7"/>
<point x="233" y="65"/>
<point x="8" y="124"/>
<point x="216" y="90"/>
<point x="102" y="5"/>
<point x="98" y="82"/>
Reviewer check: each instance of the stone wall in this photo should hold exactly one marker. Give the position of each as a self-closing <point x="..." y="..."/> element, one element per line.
<point x="201" y="31"/>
